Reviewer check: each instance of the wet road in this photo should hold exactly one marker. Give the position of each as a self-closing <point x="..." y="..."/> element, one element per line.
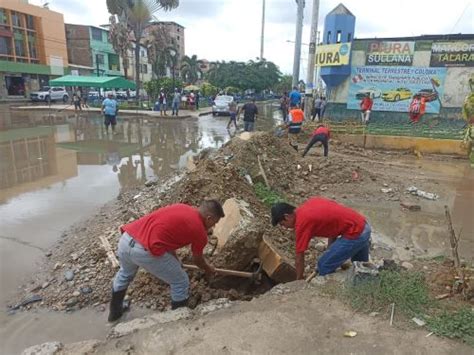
<point x="56" y="170"/>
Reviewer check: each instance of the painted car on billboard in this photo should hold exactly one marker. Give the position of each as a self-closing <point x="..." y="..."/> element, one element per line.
<point x="397" y="94"/>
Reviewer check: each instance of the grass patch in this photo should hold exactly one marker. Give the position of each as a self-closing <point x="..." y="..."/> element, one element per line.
<point x="267" y="195"/>
<point x="407" y="290"/>
<point x="456" y="325"/>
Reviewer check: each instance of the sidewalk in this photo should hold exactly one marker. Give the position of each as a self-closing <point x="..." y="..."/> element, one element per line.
<point x="69" y="108"/>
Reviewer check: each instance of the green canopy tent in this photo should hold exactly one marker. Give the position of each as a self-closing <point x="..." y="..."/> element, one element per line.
<point x="104" y="82"/>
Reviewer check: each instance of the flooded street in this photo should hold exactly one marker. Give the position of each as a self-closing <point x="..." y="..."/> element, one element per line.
<point x="56" y="170"/>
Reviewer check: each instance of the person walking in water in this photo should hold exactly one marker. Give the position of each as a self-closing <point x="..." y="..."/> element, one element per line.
<point x="250" y="113"/>
<point x="233" y="114"/>
<point x="110" y="110"/>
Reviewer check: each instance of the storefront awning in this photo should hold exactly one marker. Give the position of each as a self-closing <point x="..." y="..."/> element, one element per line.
<point x="104" y="82"/>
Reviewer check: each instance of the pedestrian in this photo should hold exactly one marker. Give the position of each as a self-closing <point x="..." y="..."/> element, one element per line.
<point x="317" y="108"/>
<point x="320" y="134"/>
<point x="417" y="108"/>
<point x="323" y="106"/>
<point x="233" y="114"/>
<point x="110" y="111"/>
<point x="284" y="106"/>
<point x="366" y="107"/>
<point x="197" y="96"/>
<point x="85" y="96"/>
<point x="162" y="102"/>
<point x="250" y="113"/>
<point x="176" y="101"/>
<point x="191" y="100"/>
<point x="348" y="232"/>
<point x="295" y="97"/>
<point x="76" y="99"/>
<point x="295" y="122"/>
<point x="151" y="243"/>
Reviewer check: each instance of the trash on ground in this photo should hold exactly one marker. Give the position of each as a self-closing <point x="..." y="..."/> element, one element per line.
<point x="386" y="190"/>
<point x="350" y="334"/>
<point x="418" y="321"/>
<point x="417" y="192"/>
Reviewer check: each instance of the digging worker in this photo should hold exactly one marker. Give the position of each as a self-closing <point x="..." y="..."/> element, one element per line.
<point x="151" y="242"/>
<point x="320" y="134"/>
<point x="348" y="232"/>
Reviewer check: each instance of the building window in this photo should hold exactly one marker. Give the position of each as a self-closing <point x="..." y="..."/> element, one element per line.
<point x="338" y="37"/>
<point x="178" y="37"/>
<point x="19" y="43"/>
<point x="96" y="34"/>
<point x="328" y="39"/>
<point x="16" y="19"/>
<point x="144" y="68"/>
<point x="114" y="62"/>
<point x="178" y="29"/>
<point x="32" y="46"/>
<point x="5" y="46"/>
<point x="30" y="22"/>
<point x="99" y="59"/>
<point x="349" y="37"/>
<point x="3" y="17"/>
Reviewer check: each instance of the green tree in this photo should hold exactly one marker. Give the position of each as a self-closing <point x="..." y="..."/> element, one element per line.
<point x="153" y="87"/>
<point x="191" y="69"/>
<point x="208" y="89"/>
<point x="283" y="85"/>
<point x="136" y="15"/>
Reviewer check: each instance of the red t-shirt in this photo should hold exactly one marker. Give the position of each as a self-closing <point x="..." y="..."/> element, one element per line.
<point x="169" y="228"/>
<point x="325" y="218"/>
<point x="321" y="130"/>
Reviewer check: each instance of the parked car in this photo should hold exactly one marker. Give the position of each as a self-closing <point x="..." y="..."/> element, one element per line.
<point x="221" y="105"/>
<point x="365" y="92"/>
<point x="397" y="94"/>
<point x="428" y="94"/>
<point x="47" y="94"/>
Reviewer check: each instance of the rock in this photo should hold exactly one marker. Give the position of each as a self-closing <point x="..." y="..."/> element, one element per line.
<point x="151" y="182"/>
<point x="69" y="275"/>
<point x="76" y="293"/>
<point x="419" y="322"/>
<point x="410" y="207"/>
<point x="50" y="348"/>
<point x="56" y="266"/>
<point x="81" y="347"/>
<point x="361" y="271"/>
<point x="407" y="265"/>
<point x="48" y="254"/>
<point x="46" y="284"/>
<point x="235" y="211"/>
<point x="29" y="300"/>
<point x="213" y="306"/>
<point x="71" y="302"/>
<point x="190" y="164"/>
<point x="86" y="290"/>
<point x="320" y="246"/>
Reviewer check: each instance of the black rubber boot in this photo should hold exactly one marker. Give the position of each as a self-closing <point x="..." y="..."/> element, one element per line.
<point x="178" y="304"/>
<point x="116" y="305"/>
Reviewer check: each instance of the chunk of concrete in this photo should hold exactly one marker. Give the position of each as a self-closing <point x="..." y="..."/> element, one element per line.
<point x="245" y="136"/>
<point x="277" y="266"/>
<point x="238" y="236"/>
<point x="50" y="348"/>
<point x="81" y="347"/>
<point x="362" y="272"/>
<point x="132" y="326"/>
<point x="190" y="164"/>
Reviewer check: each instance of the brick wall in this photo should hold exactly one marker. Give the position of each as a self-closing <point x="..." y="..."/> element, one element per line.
<point x="78" y="45"/>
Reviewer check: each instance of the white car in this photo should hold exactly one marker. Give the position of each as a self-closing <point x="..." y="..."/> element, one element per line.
<point x="221" y="105"/>
<point x="366" y="92"/>
<point x="47" y="94"/>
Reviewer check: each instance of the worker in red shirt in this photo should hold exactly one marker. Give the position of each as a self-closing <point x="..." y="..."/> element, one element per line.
<point x="348" y="232"/>
<point x="320" y="134"/>
<point x="366" y="107"/>
<point x="151" y="243"/>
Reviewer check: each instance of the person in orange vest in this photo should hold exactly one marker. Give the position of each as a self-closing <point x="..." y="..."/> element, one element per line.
<point x="365" y="108"/>
<point x="320" y="134"/>
<point x="417" y="108"/>
<point x="295" y="122"/>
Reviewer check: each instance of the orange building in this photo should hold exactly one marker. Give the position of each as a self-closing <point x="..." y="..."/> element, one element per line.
<point x="32" y="47"/>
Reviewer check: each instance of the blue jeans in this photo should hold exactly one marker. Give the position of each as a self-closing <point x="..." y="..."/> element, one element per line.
<point x="175" y="108"/>
<point x="166" y="267"/>
<point x="249" y="126"/>
<point x="343" y="249"/>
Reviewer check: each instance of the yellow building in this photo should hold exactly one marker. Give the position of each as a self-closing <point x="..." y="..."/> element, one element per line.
<point x="32" y="47"/>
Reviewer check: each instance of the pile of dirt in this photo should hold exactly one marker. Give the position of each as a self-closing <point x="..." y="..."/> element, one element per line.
<point x="79" y="271"/>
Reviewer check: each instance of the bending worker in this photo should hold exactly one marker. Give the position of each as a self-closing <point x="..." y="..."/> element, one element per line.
<point x="320" y="134"/>
<point x="348" y="232"/>
<point x="151" y="243"/>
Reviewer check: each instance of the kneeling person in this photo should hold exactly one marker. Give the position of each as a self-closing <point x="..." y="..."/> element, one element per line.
<point x="348" y="232"/>
<point x="151" y="242"/>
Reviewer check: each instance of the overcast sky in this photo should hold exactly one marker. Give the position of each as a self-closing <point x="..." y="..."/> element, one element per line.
<point x="230" y="29"/>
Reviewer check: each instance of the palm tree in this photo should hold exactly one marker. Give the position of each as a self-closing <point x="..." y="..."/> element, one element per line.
<point x="190" y="69"/>
<point x="136" y="15"/>
<point x="158" y="45"/>
<point x="119" y="37"/>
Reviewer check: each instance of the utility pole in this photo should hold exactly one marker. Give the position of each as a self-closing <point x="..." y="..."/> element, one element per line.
<point x="262" y="37"/>
<point x="308" y="102"/>
<point x="299" y="30"/>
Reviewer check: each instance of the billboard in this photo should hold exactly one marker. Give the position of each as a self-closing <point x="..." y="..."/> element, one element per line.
<point x="389" y="53"/>
<point x="328" y="55"/>
<point x="392" y="88"/>
<point x="452" y="54"/>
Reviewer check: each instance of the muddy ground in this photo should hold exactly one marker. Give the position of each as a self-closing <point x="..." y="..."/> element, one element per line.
<point x="77" y="272"/>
